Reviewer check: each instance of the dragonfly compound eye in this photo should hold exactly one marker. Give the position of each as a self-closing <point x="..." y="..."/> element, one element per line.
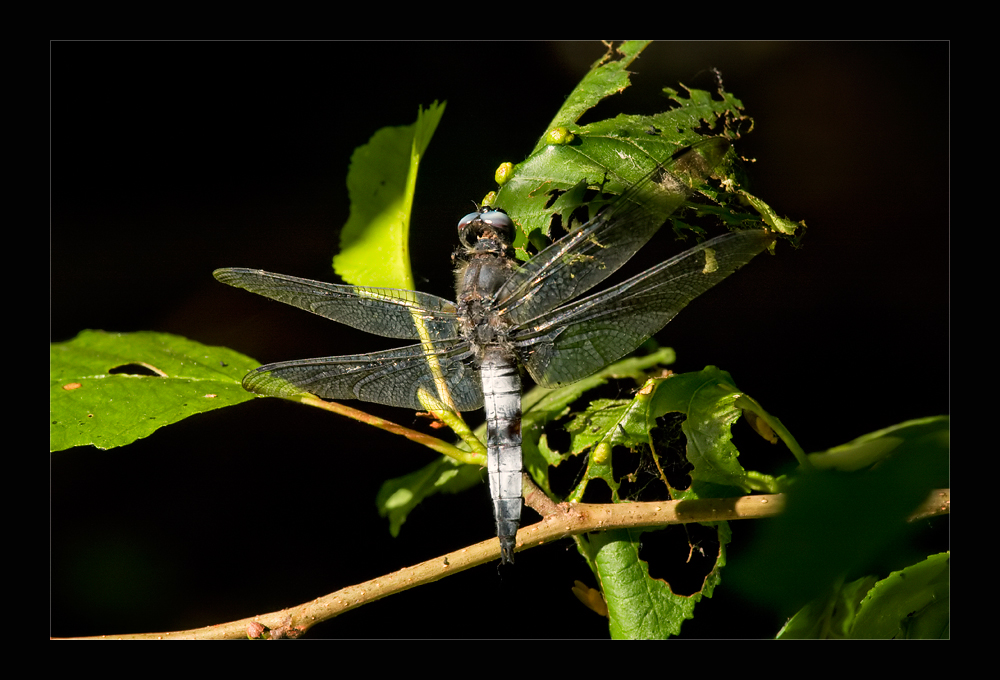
<point x="499" y="222"/>
<point x="474" y="224"/>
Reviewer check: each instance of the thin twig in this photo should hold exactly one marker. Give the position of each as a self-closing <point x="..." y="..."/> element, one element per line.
<point x="433" y="443"/>
<point x="562" y="520"/>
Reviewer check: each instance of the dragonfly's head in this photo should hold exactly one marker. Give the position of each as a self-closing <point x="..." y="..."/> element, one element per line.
<point x="485" y="223"/>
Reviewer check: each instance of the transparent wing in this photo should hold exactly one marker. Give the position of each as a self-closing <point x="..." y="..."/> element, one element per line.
<point x="581" y="259"/>
<point x="392" y="377"/>
<point x="389" y="312"/>
<point x="577" y="340"/>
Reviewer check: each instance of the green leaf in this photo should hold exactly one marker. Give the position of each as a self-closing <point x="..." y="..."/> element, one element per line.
<point x="913" y="603"/>
<point x="670" y="421"/>
<point x="397" y="497"/>
<point x="840" y="524"/>
<point x="374" y="244"/>
<point x="774" y="222"/>
<point x="704" y="403"/>
<point x="641" y="607"/>
<point x="542" y="406"/>
<point x="556" y="182"/>
<point x="829" y="617"/>
<point x="707" y="398"/>
<point x="109" y="389"/>
<point x="610" y="155"/>
<point x="607" y="76"/>
<point x="870" y="448"/>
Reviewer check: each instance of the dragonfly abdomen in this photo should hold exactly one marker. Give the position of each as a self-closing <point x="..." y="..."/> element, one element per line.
<point x="502" y="403"/>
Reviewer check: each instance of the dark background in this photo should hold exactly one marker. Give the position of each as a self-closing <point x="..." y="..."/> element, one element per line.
<point x="171" y="159"/>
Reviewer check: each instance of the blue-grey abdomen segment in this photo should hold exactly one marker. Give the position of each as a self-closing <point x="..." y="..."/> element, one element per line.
<point x="502" y="402"/>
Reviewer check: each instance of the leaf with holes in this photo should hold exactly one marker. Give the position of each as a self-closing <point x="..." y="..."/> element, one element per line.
<point x="109" y="389"/>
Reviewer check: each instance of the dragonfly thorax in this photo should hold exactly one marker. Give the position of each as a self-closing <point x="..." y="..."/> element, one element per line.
<point x="479" y="323"/>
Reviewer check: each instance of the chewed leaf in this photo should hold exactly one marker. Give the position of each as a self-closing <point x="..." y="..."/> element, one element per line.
<point x="607" y="77"/>
<point x="109" y="389"/>
<point x="607" y="156"/>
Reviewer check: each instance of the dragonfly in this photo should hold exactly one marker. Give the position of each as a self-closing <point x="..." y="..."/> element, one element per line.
<point x="511" y="317"/>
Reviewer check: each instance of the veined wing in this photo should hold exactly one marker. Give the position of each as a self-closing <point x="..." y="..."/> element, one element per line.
<point x="579" y="339"/>
<point x="389" y="312"/>
<point x="581" y="259"/>
<point x="392" y="377"/>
